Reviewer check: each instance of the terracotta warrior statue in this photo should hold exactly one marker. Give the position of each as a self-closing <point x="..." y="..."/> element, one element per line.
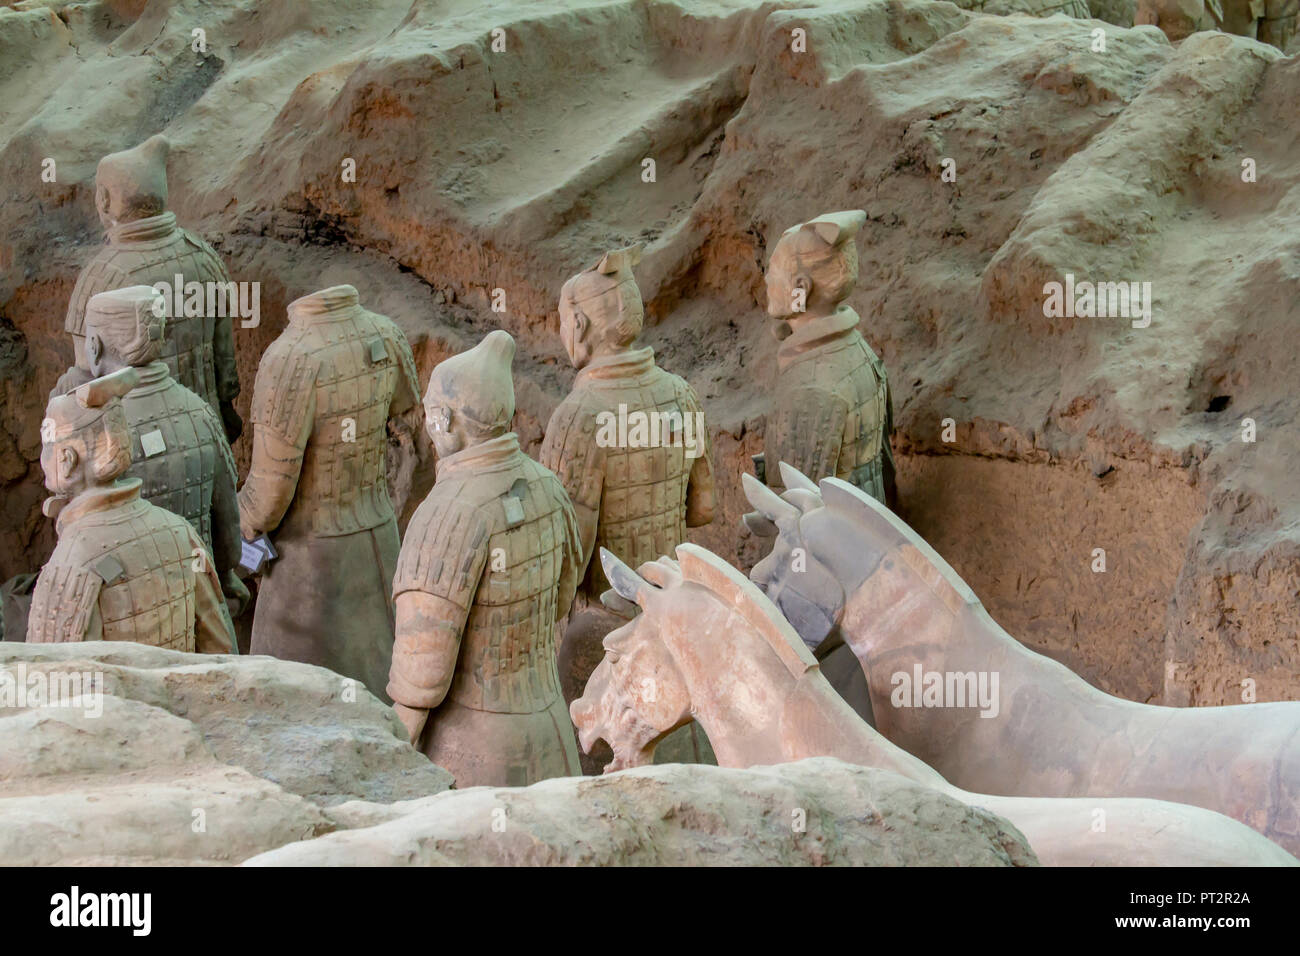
<point x="146" y="247"/>
<point x="632" y="449"/>
<point x="489" y="566"/>
<point x="178" y="446"/>
<point x="763" y="700"/>
<point x="326" y="390"/>
<point x="832" y="413"/>
<point x="124" y="569"/>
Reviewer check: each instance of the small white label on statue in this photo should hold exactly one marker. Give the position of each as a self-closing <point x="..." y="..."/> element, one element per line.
<point x="152" y="443"/>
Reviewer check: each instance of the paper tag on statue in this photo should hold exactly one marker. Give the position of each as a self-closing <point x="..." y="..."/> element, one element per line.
<point x="152" y="443"/>
<point x="255" y="555"/>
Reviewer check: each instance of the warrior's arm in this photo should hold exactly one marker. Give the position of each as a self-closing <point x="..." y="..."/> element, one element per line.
<point x="214" y="633"/>
<point x="65" y="607"/>
<point x="700" y="498"/>
<point x="424" y="653"/>
<point x="273" y="474"/>
<point x="570" y="451"/>
<point x="225" y="503"/>
<point x="438" y="573"/>
<point x="223" y="348"/>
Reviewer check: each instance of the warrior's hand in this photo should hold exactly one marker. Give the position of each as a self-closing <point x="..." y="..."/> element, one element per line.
<point x="413" y="719"/>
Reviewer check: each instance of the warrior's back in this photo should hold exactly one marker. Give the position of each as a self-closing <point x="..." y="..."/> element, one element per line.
<point x="350" y="366"/>
<point x="177" y="448"/>
<point x="517" y="522"/>
<point x="136" y="563"/>
<point x="188" y="348"/>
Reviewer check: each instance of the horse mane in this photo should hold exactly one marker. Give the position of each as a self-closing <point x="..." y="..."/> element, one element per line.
<point x="736" y="591"/>
<point x="947" y="584"/>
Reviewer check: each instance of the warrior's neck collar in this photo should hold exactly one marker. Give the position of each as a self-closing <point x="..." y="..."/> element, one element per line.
<point x="327" y="305"/>
<point x="152" y="377"/>
<point x="625" y="364"/>
<point x="92" y="500"/>
<point x="816" y="333"/>
<point x="485" y="456"/>
<point x="143" y="230"/>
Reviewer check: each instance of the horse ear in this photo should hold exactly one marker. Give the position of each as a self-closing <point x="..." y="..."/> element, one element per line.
<point x="711" y="572"/>
<point x="878" y="520"/>
<point x="623" y="579"/>
<point x="766" y="501"/>
<point x="792" y="478"/>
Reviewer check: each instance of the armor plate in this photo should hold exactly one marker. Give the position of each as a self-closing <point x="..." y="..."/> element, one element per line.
<point x="199" y="350"/>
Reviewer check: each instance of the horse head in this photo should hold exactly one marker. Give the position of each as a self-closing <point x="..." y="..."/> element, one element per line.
<point x="707" y="645"/>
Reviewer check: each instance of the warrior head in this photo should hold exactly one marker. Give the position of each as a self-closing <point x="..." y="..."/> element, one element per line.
<point x="471" y="396"/>
<point x="132" y="184"/>
<point x="814" y="266"/>
<point x="601" y="312"/>
<point x="85" y="441"/>
<point x="124" y="328"/>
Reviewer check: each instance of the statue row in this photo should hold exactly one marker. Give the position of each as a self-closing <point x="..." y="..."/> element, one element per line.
<point x="456" y="624"/>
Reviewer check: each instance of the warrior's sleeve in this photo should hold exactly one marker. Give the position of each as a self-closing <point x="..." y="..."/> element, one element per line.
<point x="699" y="488"/>
<point x="571" y="452"/>
<point x="214" y="633"/>
<point x="438" y="574"/>
<point x="225" y="501"/>
<point x="407" y="393"/>
<point x="573" y="562"/>
<point x="806" y="430"/>
<point x="223" y="331"/>
<point x="65" y="606"/>
<point x="284" y="410"/>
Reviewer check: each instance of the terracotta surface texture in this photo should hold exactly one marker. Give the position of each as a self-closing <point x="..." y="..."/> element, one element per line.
<point x="832" y="413"/>
<point x="631" y="445"/>
<point x="1067" y="433"/>
<point x="326" y="390"/>
<point x="124" y="569"/>
<point x="709" y="645"/>
<point x="1042" y="731"/>
<point x="178" y="444"/>
<point x="145" y="246"/>
<point x="489" y="564"/>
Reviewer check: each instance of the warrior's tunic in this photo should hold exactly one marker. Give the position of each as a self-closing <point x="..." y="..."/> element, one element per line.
<point x="497" y="542"/>
<point x="126" y="570"/>
<point x="180" y="453"/>
<point x="634" y="497"/>
<point x="325" y="391"/>
<point x="635" y="493"/>
<point x="832" y="412"/>
<point x="199" y="349"/>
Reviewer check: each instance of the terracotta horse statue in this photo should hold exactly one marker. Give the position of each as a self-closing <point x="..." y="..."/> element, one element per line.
<point x="845" y="567"/>
<point x="709" y="646"/>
